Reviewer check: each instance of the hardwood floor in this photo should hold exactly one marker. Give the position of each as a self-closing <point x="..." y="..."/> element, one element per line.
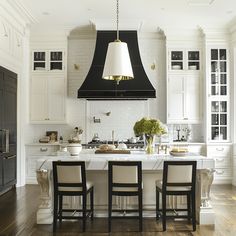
<point x="18" y="217"/>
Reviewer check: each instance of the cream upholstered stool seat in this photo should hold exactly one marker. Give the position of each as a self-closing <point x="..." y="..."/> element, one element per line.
<point x="179" y="178"/>
<point x="125" y="179"/>
<point x="69" y="179"/>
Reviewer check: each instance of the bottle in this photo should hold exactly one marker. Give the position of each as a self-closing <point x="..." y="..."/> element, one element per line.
<point x="61" y="139"/>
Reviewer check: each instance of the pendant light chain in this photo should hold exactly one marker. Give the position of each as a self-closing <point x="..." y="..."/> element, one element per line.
<point x="117" y="19"/>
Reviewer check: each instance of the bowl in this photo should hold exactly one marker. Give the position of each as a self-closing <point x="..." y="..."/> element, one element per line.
<point x="176" y="67"/>
<point x="178" y="154"/>
<point x="192" y="67"/>
<point x="74" y="149"/>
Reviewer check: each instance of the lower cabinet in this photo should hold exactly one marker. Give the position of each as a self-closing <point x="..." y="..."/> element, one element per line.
<point x="222" y="153"/>
<point x="33" y="153"/>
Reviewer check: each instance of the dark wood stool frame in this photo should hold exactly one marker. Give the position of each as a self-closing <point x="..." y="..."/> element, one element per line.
<point x="191" y="201"/>
<point x="58" y="195"/>
<point x="137" y="193"/>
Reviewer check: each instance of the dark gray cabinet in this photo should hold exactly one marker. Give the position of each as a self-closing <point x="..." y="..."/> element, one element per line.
<point x="8" y="128"/>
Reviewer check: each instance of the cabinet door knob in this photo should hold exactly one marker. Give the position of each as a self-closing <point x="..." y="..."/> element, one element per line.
<point x="43" y="149"/>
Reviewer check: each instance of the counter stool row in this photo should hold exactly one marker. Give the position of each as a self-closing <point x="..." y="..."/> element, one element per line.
<point x="69" y="178"/>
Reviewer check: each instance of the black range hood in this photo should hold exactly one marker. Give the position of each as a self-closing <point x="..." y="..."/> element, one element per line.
<point x="96" y="88"/>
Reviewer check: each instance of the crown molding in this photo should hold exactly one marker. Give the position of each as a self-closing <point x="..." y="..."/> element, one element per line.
<point x="22" y="11"/>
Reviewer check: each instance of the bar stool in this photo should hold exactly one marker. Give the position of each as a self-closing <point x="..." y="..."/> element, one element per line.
<point x="69" y="179"/>
<point x="179" y="178"/>
<point x="125" y="179"/>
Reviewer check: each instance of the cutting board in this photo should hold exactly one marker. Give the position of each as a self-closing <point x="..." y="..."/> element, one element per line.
<point x="98" y="151"/>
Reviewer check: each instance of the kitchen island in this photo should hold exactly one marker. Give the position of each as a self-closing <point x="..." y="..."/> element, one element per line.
<point x="152" y="165"/>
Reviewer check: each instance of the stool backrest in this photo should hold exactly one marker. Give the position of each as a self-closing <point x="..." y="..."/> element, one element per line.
<point x="69" y="174"/>
<point x="125" y="173"/>
<point x="179" y="173"/>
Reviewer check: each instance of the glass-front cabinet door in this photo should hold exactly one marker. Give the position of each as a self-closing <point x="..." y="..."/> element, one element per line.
<point x="184" y="60"/>
<point x="193" y="60"/>
<point x="56" y="60"/>
<point x="219" y="121"/>
<point x="47" y="60"/>
<point x="39" y="61"/>
<point x="177" y="60"/>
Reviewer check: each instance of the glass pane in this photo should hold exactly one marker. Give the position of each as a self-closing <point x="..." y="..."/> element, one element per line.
<point x="193" y="65"/>
<point x="56" y="56"/>
<point x="223" y="119"/>
<point x="214" y="79"/>
<point x="215" y="133"/>
<point x="177" y="65"/>
<point x="215" y="119"/>
<point x="222" y="54"/>
<point x="214" y="66"/>
<point x="223" y="133"/>
<point x="39" y="56"/>
<point x="215" y="106"/>
<point x="39" y="66"/>
<point x="223" y="90"/>
<point x="223" y="66"/>
<point x="223" y="106"/>
<point x="176" y="55"/>
<point x="223" y="79"/>
<point x="214" y="54"/>
<point x="193" y="55"/>
<point x="56" y="66"/>
<point x="214" y="90"/>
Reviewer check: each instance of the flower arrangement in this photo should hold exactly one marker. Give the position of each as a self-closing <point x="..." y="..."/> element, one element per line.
<point x="75" y="137"/>
<point x="149" y="128"/>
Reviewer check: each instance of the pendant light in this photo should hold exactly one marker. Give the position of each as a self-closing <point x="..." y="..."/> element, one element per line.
<point x="117" y="64"/>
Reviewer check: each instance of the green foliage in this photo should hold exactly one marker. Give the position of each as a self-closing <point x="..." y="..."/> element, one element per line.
<point x="149" y="126"/>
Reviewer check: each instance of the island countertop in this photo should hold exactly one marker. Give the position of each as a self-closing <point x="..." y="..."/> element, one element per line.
<point x="149" y="161"/>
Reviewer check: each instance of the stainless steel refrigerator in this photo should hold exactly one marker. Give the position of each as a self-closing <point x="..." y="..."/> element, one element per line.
<point x="8" y="129"/>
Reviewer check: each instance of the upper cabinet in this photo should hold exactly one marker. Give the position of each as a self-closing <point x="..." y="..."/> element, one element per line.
<point x="48" y="87"/>
<point x="184" y="87"/>
<point x="218" y="95"/>
<point x="48" y="60"/>
<point x="183" y="60"/>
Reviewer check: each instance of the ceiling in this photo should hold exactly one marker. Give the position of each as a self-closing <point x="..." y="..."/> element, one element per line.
<point x="151" y="14"/>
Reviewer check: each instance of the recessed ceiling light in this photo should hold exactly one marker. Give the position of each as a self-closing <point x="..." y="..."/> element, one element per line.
<point x="46" y="13"/>
<point x="200" y="2"/>
<point x="229" y="12"/>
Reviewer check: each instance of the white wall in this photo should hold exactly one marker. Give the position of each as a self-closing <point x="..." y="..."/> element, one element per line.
<point x="14" y="44"/>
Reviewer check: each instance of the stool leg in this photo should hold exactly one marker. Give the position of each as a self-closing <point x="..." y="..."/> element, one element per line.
<point x="193" y="212"/>
<point x="140" y="201"/>
<point x="55" y="213"/>
<point x="60" y="207"/>
<point x="189" y="206"/>
<point x="164" y="211"/>
<point x="157" y="205"/>
<point x="109" y="210"/>
<point x="84" y="196"/>
<point x="91" y="203"/>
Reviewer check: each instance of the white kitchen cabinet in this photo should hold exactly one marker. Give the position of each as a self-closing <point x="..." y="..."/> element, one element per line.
<point x="33" y="153"/>
<point x="184" y="60"/>
<point x="218" y="96"/>
<point x="48" y="99"/>
<point x="183" y="98"/>
<point x="223" y="162"/>
<point x="48" y="61"/>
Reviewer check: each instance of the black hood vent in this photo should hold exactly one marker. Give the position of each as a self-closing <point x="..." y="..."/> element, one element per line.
<point x="96" y="88"/>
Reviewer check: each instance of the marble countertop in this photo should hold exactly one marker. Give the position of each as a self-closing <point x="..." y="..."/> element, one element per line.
<point x="149" y="161"/>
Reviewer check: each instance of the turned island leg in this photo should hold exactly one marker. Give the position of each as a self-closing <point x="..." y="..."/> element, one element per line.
<point x="44" y="213"/>
<point x="206" y="214"/>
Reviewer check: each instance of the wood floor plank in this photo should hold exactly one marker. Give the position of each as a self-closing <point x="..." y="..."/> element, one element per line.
<point x="18" y="217"/>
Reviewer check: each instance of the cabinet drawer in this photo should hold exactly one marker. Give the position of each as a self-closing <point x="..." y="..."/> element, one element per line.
<point x="41" y="150"/>
<point x="222" y="173"/>
<point x="222" y="162"/>
<point x="219" y="150"/>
